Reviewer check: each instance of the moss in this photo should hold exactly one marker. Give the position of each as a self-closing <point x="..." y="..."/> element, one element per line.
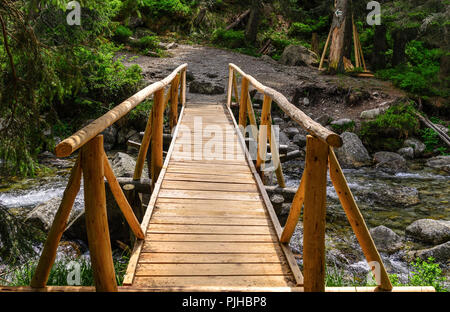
<point x="389" y="130"/>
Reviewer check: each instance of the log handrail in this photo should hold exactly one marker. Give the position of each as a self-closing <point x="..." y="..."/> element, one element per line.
<point x="313" y="127"/>
<point x="311" y="193"/>
<point x="81" y="137"/>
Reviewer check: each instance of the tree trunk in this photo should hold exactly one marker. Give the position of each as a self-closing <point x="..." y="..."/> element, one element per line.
<point x="341" y="36"/>
<point x="315" y="43"/>
<point x="251" y="31"/>
<point x="380" y="46"/>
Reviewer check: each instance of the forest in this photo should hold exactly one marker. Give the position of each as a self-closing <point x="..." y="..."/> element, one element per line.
<point x="379" y="79"/>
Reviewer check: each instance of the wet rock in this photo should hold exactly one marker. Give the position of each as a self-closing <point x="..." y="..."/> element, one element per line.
<point x="406" y="152"/>
<point x="417" y="146"/>
<point x="299" y="140"/>
<point x="390" y="162"/>
<point x="440" y="162"/>
<point x="402" y="196"/>
<point x="284" y="213"/>
<point x="296" y="55"/>
<point x="441" y="253"/>
<point x="69" y="249"/>
<point x="385" y="239"/>
<point x="291" y="132"/>
<point x="429" y="231"/>
<point x="201" y="87"/>
<point x="352" y="154"/>
<point x="43" y="215"/>
<point x="277" y="201"/>
<point x="123" y="165"/>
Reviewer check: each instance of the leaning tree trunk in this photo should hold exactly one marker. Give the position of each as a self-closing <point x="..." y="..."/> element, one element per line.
<point x="253" y="22"/>
<point x="341" y="35"/>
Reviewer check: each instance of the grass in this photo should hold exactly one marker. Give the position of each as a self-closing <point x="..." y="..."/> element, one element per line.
<point x="64" y="272"/>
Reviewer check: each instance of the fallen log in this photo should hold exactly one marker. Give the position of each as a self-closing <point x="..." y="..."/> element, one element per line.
<point x="238" y="20"/>
<point x="444" y="136"/>
<point x="291" y="155"/>
<point x="141" y="186"/>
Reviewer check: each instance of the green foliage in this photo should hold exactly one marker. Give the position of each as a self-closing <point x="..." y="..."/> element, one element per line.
<point x="346" y="127"/>
<point x="431" y="138"/>
<point x="61" y="269"/>
<point x="306" y="29"/>
<point x="141" y="112"/>
<point x="388" y="130"/>
<point x="228" y="38"/>
<point x="122" y="33"/>
<point x="419" y="74"/>
<point x="149" y="42"/>
<point x="427" y="273"/>
<point x="159" y="8"/>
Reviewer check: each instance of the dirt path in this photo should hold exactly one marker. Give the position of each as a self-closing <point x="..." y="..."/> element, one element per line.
<point x="336" y="96"/>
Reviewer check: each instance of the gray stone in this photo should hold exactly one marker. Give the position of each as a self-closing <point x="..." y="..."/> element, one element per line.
<point x="406" y="152"/>
<point x="385" y="239"/>
<point x="417" y="146"/>
<point x="277" y="200"/>
<point x="439" y="162"/>
<point x="342" y="125"/>
<point x="297" y="55"/>
<point x="352" y="154"/>
<point x="299" y="140"/>
<point x="123" y="165"/>
<point x="401" y="196"/>
<point x="324" y="120"/>
<point x="43" y="214"/>
<point x="202" y="87"/>
<point x="283" y="138"/>
<point x="441" y="253"/>
<point x="291" y="132"/>
<point x="372" y="113"/>
<point x="429" y="231"/>
<point x="124" y="134"/>
<point x="277" y="120"/>
<point x="109" y="137"/>
<point x="390" y="162"/>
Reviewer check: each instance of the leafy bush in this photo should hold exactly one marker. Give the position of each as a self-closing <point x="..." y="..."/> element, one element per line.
<point x="388" y="130"/>
<point x="149" y="42"/>
<point x="159" y="8"/>
<point x="122" y="33"/>
<point x="427" y="273"/>
<point x="228" y="38"/>
<point x="310" y="25"/>
<point x="419" y="74"/>
<point x="431" y="138"/>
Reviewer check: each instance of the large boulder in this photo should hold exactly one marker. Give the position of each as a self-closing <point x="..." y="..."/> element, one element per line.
<point x="406" y="152"/>
<point x="297" y="55"/>
<point x="429" y="231"/>
<point x="401" y="196"/>
<point x="416" y="145"/>
<point x="201" y="87"/>
<point x="43" y="214"/>
<point x="439" y="162"/>
<point x="389" y="162"/>
<point x="352" y="154"/>
<point x="123" y="165"/>
<point x="385" y="239"/>
<point x="441" y="253"/>
<point x="372" y="113"/>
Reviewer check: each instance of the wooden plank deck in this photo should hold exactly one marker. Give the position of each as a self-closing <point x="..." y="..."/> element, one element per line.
<point x="209" y="222"/>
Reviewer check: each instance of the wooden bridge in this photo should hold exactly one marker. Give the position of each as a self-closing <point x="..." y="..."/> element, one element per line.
<point x="209" y="225"/>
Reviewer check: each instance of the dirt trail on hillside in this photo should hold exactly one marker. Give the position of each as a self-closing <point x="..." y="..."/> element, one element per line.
<point x="336" y="96"/>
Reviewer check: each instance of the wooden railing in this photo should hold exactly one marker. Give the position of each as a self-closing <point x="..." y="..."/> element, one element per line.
<point x="311" y="192"/>
<point x="92" y="163"/>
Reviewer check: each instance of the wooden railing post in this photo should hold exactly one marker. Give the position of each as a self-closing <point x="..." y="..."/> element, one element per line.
<point x="96" y="217"/>
<point x="243" y="105"/>
<point x="183" y="87"/>
<point x="157" y="135"/>
<point x="173" y="113"/>
<point x="314" y="214"/>
<point x="59" y="224"/>
<point x="230" y="86"/>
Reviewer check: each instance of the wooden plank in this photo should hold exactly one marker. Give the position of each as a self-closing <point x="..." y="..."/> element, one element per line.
<point x="210" y="238"/>
<point x="208" y="229"/>
<point x="216" y="269"/>
<point x="208" y="258"/>
<point x="180" y="210"/>
<point x="200" y="171"/>
<point x="192" y="281"/>
<point x="229" y="187"/>
<point x="167" y="193"/>
<point x="208" y="167"/>
<point x="212" y="204"/>
<point x="211" y="247"/>
<point x="208" y="220"/>
<point x="208" y="177"/>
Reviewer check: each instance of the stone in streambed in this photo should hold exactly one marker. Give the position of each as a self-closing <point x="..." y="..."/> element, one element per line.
<point x="390" y="162"/>
<point x="429" y="231"/>
<point x="385" y="239"/>
<point x="352" y="154"/>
